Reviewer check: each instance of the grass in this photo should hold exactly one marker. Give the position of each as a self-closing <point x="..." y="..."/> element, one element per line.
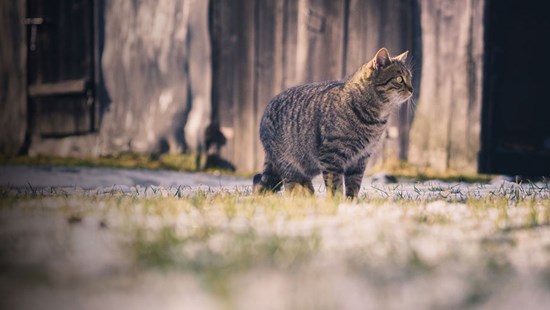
<point x="299" y="252"/>
<point x="183" y="162"/>
<point x="187" y="162"/>
<point x="406" y="171"/>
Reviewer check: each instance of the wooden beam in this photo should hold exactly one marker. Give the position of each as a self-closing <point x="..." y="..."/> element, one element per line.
<point x="61" y="88"/>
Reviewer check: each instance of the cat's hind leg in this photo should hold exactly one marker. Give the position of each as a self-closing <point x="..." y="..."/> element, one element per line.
<point x="299" y="187"/>
<point x="296" y="183"/>
<point x="267" y="181"/>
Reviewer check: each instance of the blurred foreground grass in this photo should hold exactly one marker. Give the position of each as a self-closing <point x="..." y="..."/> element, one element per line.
<point x="233" y="250"/>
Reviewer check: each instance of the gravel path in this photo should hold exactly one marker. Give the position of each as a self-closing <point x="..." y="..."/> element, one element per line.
<point x="141" y="182"/>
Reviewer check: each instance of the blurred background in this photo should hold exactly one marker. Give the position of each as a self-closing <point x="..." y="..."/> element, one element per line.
<point x="89" y="78"/>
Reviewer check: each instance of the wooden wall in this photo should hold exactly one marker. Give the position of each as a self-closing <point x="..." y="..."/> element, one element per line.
<point x="262" y="47"/>
<point x="157" y="85"/>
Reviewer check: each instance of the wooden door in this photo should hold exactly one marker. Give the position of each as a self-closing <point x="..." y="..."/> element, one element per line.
<point x="60" y="62"/>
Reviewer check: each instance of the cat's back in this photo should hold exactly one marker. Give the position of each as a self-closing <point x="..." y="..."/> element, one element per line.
<point x="303" y="94"/>
<point x="290" y="123"/>
<point x="300" y="102"/>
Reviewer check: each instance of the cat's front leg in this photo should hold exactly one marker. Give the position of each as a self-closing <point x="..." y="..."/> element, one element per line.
<point x="333" y="182"/>
<point x="332" y="163"/>
<point x="353" y="176"/>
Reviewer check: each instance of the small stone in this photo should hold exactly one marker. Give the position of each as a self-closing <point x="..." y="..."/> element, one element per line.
<point x="103" y="224"/>
<point x="383" y="178"/>
<point x="74" y="219"/>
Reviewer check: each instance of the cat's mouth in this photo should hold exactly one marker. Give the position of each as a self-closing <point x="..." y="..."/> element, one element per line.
<point x="405" y="95"/>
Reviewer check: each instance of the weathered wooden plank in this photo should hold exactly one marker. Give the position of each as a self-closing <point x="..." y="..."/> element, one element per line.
<point x="65" y="87"/>
<point x="223" y="38"/>
<point x="290" y="30"/>
<point x="363" y="33"/>
<point x="244" y="83"/>
<point x="466" y="129"/>
<point x="234" y="47"/>
<point x="144" y="65"/>
<point x="13" y="107"/>
<point x="269" y="64"/>
<point x="320" y="41"/>
<point x="445" y="132"/>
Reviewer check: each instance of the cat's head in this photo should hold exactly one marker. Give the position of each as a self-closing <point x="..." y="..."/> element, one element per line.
<point x="391" y="76"/>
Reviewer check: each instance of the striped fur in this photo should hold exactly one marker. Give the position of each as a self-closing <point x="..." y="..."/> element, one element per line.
<point x="330" y="127"/>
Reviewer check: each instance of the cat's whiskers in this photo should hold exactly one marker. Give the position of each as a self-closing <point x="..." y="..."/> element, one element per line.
<point x="411" y="106"/>
<point x="412" y="65"/>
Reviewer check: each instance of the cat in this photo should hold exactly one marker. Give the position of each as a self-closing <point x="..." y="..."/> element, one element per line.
<point x="331" y="127"/>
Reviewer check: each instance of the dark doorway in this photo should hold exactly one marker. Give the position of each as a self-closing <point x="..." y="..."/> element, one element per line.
<point x="516" y="105"/>
<point x="61" y="92"/>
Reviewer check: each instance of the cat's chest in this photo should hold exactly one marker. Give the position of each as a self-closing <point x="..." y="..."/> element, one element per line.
<point x="362" y="143"/>
<point x="366" y="147"/>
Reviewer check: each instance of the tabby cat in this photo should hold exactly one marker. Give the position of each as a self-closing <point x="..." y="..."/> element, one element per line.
<point x="331" y="127"/>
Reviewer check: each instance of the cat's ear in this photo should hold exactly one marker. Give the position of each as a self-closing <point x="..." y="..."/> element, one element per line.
<point x="382" y="59"/>
<point x="402" y="57"/>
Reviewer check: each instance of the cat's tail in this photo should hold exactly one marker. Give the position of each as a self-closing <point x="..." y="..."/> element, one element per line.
<point x="268" y="181"/>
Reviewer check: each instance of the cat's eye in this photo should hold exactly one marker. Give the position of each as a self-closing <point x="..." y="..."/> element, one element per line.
<point x="399" y="79"/>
